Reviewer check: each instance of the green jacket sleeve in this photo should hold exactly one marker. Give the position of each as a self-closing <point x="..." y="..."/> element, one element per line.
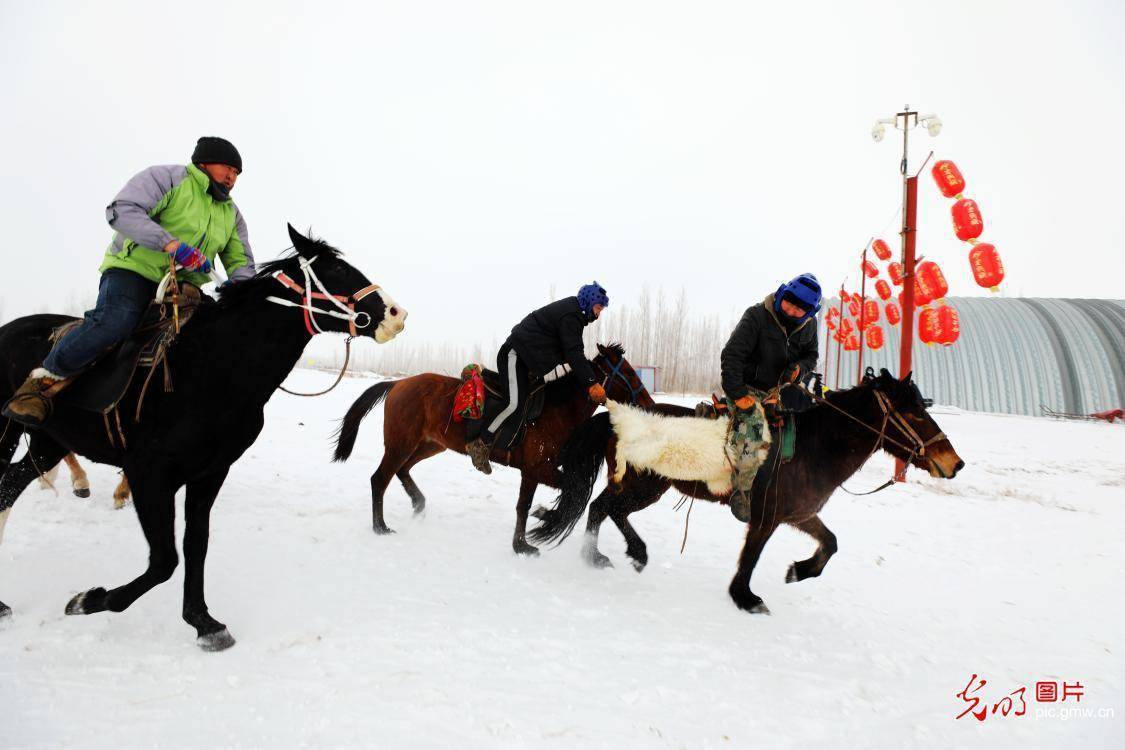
<point x="238" y="260"/>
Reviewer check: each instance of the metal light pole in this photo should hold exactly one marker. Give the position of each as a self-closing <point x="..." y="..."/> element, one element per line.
<point x="906" y="121"/>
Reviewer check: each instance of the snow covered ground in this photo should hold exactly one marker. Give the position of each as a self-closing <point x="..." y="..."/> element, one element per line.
<point x="439" y="636"/>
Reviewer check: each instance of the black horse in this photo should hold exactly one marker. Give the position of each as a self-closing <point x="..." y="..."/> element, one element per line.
<point x="834" y="441"/>
<point x="226" y="363"/>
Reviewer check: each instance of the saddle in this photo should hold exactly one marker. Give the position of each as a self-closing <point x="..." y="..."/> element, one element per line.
<point x="101" y="387"/>
<point x="513" y="433"/>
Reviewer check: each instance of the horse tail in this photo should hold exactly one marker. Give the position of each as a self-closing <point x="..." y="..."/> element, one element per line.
<point x="581" y="462"/>
<point x="349" y="426"/>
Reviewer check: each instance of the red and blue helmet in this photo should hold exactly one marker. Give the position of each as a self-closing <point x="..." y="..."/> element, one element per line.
<point x="803" y="291"/>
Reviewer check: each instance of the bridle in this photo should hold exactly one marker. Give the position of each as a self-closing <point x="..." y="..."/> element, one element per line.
<point x="347" y="311"/>
<point x="891" y="415"/>
<point x="346" y="304"/>
<point x="615" y="372"/>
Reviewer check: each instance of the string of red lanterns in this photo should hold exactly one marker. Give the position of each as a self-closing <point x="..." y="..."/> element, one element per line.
<point x="968" y="225"/>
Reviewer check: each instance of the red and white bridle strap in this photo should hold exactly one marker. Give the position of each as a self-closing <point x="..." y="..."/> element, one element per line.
<point x="346" y="305"/>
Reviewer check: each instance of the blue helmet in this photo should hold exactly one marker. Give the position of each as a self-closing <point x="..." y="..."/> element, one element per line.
<point x="590" y="295"/>
<point x="803" y="291"/>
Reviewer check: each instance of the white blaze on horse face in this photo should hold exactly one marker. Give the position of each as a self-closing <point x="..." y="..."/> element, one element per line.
<point x="394" y="319"/>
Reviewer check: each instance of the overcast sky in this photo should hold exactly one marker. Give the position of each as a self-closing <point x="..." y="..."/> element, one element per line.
<point x="469" y="155"/>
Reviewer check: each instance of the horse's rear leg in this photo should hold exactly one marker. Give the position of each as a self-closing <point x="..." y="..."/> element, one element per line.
<point x="212" y="635"/>
<point x="121" y="493"/>
<point x="417" y="499"/>
<point x="826" y="547"/>
<point x="602" y="506"/>
<point x="154" y="502"/>
<point x="46" y="480"/>
<point x="393" y="460"/>
<point x="523" y="505"/>
<point x="41" y="452"/>
<point x="739" y="588"/>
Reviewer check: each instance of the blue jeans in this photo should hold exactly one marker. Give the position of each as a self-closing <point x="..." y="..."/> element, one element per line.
<point x="123" y="296"/>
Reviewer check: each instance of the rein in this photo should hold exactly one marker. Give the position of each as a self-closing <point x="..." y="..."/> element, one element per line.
<point x="347" y="311"/>
<point x="890" y="415"/>
<point x="615" y="372"/>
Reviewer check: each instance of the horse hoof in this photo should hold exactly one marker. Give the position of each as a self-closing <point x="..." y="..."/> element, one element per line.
<point x="86" y="603"/>
<point x="523" y="548"/>
<point x="791" y="576"/>
<point x="638" y="565"/>
<point x="5" y="611"/>
<point x="383" y="530"/>
<point x="759" y="609"/>
<point x="596" y="559"/>
<point x="83" y="493"/>
<point x="220" y="640"/>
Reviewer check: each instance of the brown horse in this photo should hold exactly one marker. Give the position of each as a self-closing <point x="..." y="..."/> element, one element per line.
<point x="80" y="483"/>
<point x="834" y="440"/>
<point x="416" y="426"/>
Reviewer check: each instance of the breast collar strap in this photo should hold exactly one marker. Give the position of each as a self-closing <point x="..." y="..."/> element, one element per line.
<point x="346" y="304"/>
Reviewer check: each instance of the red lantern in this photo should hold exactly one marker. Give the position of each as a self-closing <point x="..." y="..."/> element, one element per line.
<point x="929" y="277"/>
<point x="839" y="337"/>
<point x="882" y="250"/>
<point x="894" y="270"/>
<point x="948" y="178"/>
<point x="846" y="327"/>
<point x="853" y="306"/>
<point x="922" y="295"/>
<point x="844" y="295"/>
<point x="949" y="325"/>
<point x="967" y="221"/>
<point x="870" y="312"/>
<point x="870" y="269"/>
<point x="851" y="344"/>
<point x="929" y="326"/>
<point x="831" y="318"/>
<point x="883" y="289"/>
<point x="894" y="315"/>
<point x="874" y="337"/>
<point x="986" y="265"/>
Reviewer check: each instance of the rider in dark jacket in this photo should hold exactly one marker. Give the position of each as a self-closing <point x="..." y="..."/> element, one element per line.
<point x="547" y="339"/>
<point x="774" y="343"/>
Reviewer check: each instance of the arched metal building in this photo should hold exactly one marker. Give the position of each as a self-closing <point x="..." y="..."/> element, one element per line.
<point x="1014" y="356"/>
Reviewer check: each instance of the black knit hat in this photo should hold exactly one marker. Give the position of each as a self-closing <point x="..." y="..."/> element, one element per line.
<point x="213" y="150"/>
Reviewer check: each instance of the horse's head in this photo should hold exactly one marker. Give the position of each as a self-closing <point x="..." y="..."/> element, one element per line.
<point x="913" y="435"/>
<point x="618" y="377"/>
<point x="346" y="301"/>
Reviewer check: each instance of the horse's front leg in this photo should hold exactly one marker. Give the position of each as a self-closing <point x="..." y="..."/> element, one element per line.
<point x="739" y="588"/>
<point x="523" y="505"/>
<point x="156" y="510"/>
<point x="79" y="482"/>
<point x="201" y="493"/>
<point x="826" y="547"/>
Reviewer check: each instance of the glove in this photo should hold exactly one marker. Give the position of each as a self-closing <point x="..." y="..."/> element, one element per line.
<point x="597" y="393"/>
<point x="792" y="374"/>
<point x="746" y="403"/>
<point x="191" y="258"/>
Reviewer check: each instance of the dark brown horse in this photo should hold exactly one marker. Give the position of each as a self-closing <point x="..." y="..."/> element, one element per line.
<point x="833" y="441"/>
<point x="416" y="426"/>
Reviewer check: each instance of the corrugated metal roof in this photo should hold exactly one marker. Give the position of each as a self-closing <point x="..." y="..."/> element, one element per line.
<point x="1014" y="356"/>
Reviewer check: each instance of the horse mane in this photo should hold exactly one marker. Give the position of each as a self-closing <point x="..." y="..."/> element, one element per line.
<point x="236" y="293"/>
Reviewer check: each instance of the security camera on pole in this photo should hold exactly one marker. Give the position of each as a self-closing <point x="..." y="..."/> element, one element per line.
<point x="906" y="121"/>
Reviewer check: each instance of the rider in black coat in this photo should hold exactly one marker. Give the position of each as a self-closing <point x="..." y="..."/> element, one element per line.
<point x="774" y="343"/>
<point x="541" y="343"/>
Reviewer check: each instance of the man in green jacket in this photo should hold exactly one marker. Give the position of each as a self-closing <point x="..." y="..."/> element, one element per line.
<point x="168" y="210"/>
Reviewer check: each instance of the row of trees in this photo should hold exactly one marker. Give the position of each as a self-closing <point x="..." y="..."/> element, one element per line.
<point x="659" y="330"/>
